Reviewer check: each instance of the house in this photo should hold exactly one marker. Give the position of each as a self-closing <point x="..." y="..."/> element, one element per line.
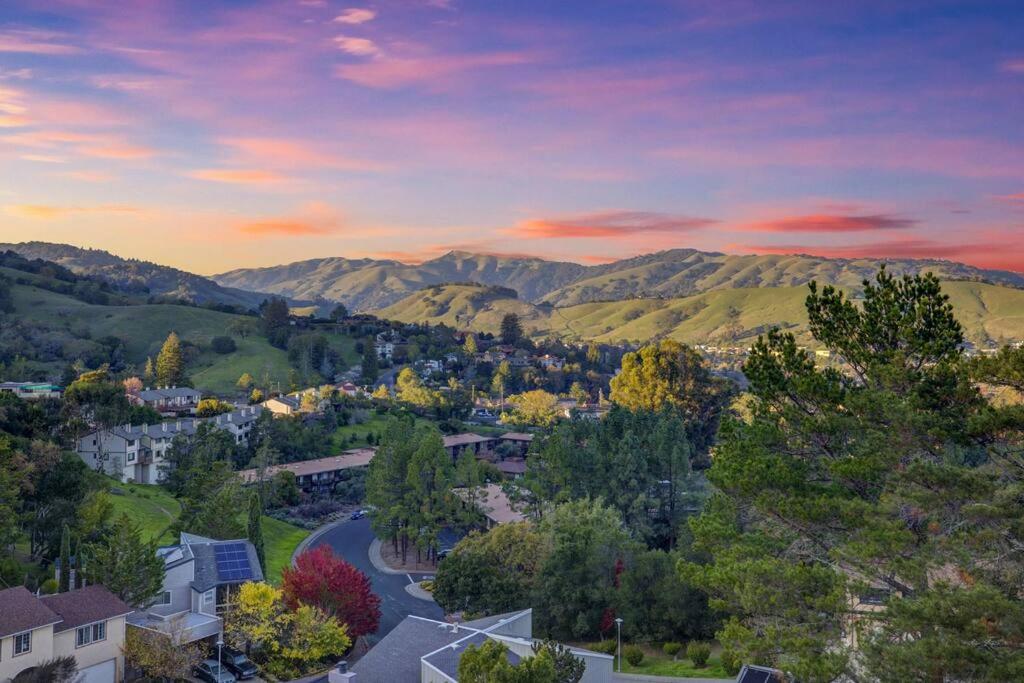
<point x="200" y="574"/>
<point x="169" y="400"/>
<point x="421" y="650"/>
<point x="549" y="362"/>
<point x="282" y="406"/>
<point x="138" y="452"/>
<point x="87" y="624"/>
<point x="520" y="440"/>
<point x="31" y="391"/>
<point x="349" y="389"/>
<point x="494" y="503"/>
<point x="456" y="444"/>
<point x="386" y="343"/>
<point x="315" y="476"/>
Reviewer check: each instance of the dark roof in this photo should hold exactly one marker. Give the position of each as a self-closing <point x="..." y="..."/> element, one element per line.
<point x="23" y="611"/>
<point x="759" y="674"/>
<point x="396" y="658"/>
<point x="206" y="574"/>
<point x="85" y="606"/>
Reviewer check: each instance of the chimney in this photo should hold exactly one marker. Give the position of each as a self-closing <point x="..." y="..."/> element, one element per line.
<point x="129" y="427"/>
<point x="164" y="425"/>
<point x="231" y="417"/>
<point x="341" y="674"/>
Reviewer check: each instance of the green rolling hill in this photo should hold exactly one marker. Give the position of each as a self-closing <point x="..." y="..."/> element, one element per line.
<point x="989" y="313"/>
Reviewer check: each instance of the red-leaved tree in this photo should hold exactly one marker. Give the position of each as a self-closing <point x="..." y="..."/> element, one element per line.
<point x="321" y="579"/>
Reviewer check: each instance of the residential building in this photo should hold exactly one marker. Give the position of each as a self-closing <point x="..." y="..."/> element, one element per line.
<point x="87" y="624"/>
<point x="283" y="406"/>
<point x="457" y="444"/>
<point x="521" y="441"/>
<point x="549" y="362"/>
<point x="31" y="391"/>
<point x="421" y="650"/>
<point x="494" y="503"/>
<point x="315" y="476"/>
<point x="349" y="389"/>
<point x="200" y="575"/>
<point x="138" y="452"/>
<point x="169" y="400"/>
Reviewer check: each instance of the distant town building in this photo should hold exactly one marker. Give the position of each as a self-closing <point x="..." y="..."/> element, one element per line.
<point x="31" y="391"/>
<point x="169" y="400"/>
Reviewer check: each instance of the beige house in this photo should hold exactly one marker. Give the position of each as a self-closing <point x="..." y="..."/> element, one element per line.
<point x="87" y="624"/>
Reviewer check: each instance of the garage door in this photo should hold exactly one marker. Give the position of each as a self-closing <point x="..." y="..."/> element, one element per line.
<point x="103" y="672"/>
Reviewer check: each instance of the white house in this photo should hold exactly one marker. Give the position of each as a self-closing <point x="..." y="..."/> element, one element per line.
<point x="87" y="624"/>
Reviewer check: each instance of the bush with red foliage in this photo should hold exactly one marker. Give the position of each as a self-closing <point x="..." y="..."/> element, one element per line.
<point x="321" y="579"/>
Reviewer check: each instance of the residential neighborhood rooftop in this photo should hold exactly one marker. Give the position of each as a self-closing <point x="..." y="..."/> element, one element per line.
<point x="85" y="606"/>
<point x="358" y="457"/>
<point x="23" y="611"/>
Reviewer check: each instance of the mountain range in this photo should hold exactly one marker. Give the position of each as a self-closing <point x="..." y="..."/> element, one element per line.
<point x="368" y="284"/>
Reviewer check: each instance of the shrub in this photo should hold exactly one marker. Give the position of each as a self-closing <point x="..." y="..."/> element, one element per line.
<point x="605" y="646"/>
<point x="633" y="654"/>
<point x="223" y="345"/>
<point x="731" y="663"/>
<point x="698" y="653"/>
<point x="49" y="587"/>
<point x="672" y="649"/>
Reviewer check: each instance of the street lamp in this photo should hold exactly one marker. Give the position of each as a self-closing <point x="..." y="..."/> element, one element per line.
<point x="618" y="637"/>
<point x="220" y="645"/>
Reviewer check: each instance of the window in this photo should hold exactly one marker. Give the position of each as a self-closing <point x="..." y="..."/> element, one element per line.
<point x="208" y="598"/>
<point x="163" y="599"/>
<point x="22" y="643"/>
<point x="131" y="457"/>
<point x="90" y="634"/>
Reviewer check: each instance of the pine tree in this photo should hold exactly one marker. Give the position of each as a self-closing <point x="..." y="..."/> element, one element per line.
<point x="126" y="564"/>
<point x="470" y="344"/>
<point x="256" y="529"/>
<point x="170" y="365"/>
<point x="149" y="374"/>
<point x="65" y="559"/>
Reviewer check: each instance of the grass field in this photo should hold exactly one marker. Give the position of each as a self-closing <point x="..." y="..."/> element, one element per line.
<point x="657" y="663"/>
<point x="154" y="510"/>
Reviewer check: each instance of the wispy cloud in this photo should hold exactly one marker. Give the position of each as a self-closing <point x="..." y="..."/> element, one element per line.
<point x="433" y="71"/>
<point x="312" y="219"/>
<point x="360" y="47"/>
<point x="355" y="15"/>
<point x="614" y="224"/>
<point x="36" y="42"/>
<point x="831" y="223"/>
<point x="243" y="176"/>
<point x="1014" y="66"/>
<point x="50" y="212"/>
<point x="292" y="153"/>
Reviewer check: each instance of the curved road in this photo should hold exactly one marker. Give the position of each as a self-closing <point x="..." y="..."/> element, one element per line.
<point x="351" y="541"/>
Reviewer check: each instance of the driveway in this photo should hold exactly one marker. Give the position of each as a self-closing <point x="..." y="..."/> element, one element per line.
<point x="351" y="540"/>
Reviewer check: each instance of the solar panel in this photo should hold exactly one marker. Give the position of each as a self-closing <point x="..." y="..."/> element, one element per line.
<point x="232" y="562"/>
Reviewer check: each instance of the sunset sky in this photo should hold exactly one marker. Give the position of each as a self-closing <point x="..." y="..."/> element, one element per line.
<point x="212" y="135"/>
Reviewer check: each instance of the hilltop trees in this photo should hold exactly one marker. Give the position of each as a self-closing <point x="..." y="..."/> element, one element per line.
<point x="170" y="365"/>
<point x="895" y="479"/>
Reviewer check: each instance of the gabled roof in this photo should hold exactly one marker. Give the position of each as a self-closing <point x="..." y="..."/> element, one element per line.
<point x="760" y="674"/>
<point x="85" y="606"/>
<point x="207" y="572"/>
<point x="23" y="611"/>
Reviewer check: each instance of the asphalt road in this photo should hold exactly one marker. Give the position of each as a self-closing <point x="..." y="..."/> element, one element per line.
<point x="351" y="541"/>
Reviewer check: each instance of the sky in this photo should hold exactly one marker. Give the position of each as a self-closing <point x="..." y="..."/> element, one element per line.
<point x="212" y="135"/>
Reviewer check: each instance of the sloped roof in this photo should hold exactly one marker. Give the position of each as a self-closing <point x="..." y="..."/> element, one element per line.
<point x="85" y="606"/>
<point x="23" y="611"/>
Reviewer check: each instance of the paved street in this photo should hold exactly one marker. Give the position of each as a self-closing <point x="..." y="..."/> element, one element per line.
<point x="351" y="541"/>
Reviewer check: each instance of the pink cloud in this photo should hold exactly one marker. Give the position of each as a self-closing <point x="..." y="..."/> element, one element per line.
<point x="432" y="71"/>
<point x="1015" y="66"/>
<point x="360" y="47"/>
<point x="244" y="176"/>
<point x="355" y="15"/>
<point x="613" y="224"/>
<point x="290" y="153"/>
<point x="49" y="212"/>
<point x="35" y="42"/>
<point x="831" y="223"/>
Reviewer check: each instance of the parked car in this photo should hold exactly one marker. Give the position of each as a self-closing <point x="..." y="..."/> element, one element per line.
<point x="358" y="514"/>
<point x="443" y="553"/>
<point x="209" y="671"/>
<point x="237" y="663"/>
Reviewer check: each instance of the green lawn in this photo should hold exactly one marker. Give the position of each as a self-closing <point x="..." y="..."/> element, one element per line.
<point x="154" y="510"/>
<point x="340" y="439"/>
<point x="657" y="663"/>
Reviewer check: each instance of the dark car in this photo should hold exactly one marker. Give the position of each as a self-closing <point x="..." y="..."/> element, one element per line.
<point x="358" y="514"/>
<point x="237" y="663"/>
<point x="211" y="673"/>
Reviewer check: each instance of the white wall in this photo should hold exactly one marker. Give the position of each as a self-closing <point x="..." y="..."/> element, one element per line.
<point x="94" y="653"/>
<point x="42" y="650"/>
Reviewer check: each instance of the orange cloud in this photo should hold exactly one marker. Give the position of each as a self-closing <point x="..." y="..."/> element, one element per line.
<point x="89" y="176"/>
<point x="831" y="223"/>
<point x="613" y="224"/>
<point x="237" y="175"/>
<point x="50" y="212"/>
<point x="118" y="150"/>
<point x="282" y="227"/>
<point x="314" y="218"/>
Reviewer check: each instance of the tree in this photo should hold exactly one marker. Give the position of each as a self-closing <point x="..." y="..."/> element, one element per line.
<point x="339" y="312"/>
<point x="381" y="393"/>
<point x="210" y="407"/>
<point x="170" y="365"/>
<point x="891" y="477"/>
<point x="255" y="529"/>
<point x="132" y="386"/>
<point x="149" y="374"/>
<point x="310" y="638"/>
<point x="273" y="314"/>
<point x="256" y="396"/>
<point x="412" y="391"/>
<point x="127" y="565"/>
<point x="167" y="656"/>
<point x="568" y="667"/>
<point x="335" y="587"/>
<point x="223" y="344"/>
<point x="537" y="407"/>
<point x="655" y="605"/>
<point x="488" y="663"/>
<point x="492" y="572"/>
<point x="254" y="621"/>
<point x="470" y="345"/>
<point x="500" y="379"/>
<point x="58" y="670"/>
<point x="65" y="559"/>
<point x="14" y="471"/>
<point x="578" y="393"/>
<point x="245" y="382"/>
<point x="370" y="367"/>
<point x="511" y="329"/>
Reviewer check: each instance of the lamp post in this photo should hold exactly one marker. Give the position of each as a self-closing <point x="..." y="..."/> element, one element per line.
<point x="618" y="638"/>
<point x="220" y="646"/>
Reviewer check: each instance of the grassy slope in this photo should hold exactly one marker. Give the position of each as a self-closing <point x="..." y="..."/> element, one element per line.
<point x="986" y="312"/>
<point x="154" y="510"/>
<point x="144" y="328"/>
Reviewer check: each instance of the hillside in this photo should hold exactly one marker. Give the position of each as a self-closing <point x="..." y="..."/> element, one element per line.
<point x="367" y="284"/>
<point x="52" y="328"/>
<point x="138" y="276"/>
<point x="722" y="316"/>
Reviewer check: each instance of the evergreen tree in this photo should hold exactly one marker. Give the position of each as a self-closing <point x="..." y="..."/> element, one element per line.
<point x="255" y="529"/>
<point x="511" y="329"/>
<point x="65" y="559"/>
<point x="470" y="345"/>
<point x="127" y="565"/>
<point x="149" y="374"/>
<point x="370" y="367"/>
<point x="170" y="365"/>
